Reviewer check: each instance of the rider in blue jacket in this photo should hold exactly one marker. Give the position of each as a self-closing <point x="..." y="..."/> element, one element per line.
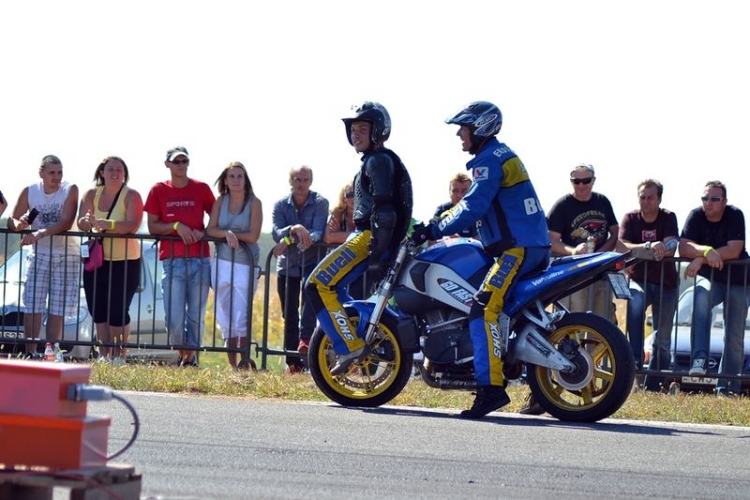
<point x="510" y="221"/>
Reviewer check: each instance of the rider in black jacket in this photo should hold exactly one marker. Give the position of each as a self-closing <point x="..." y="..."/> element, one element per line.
<point x="382" y="213"/>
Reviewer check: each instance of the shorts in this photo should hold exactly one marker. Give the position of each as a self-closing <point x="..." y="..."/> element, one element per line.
<point x="53" y="277"/>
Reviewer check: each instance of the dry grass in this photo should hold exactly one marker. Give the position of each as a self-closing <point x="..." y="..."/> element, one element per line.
<point x="222" y="381"/>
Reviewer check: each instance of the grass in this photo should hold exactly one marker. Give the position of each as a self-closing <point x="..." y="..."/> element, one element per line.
<point x="273" y="384"/>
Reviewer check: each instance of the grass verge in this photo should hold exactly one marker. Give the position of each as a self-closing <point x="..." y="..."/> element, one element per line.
<point x="214" y="379"/>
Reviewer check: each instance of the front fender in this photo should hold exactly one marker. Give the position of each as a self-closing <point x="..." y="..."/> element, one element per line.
<point x="364" y="311"/>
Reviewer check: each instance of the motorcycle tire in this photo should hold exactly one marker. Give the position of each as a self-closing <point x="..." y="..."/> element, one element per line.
<point x="605" y="374"/>
<point x="373" y="380"/>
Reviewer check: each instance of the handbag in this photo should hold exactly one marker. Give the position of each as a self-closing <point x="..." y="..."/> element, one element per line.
<point x="96" y="251"/>
<point x="96" y="254"/>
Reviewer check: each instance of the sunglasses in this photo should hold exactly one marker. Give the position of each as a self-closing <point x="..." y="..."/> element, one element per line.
<point x="350" y="194"/>
<point x="587" y="180"/>
<point x="181" y="162"/>
<point x="715" y="199"/>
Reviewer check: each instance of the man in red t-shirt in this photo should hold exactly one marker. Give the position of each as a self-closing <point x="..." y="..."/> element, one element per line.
<point x="176" y="208"/>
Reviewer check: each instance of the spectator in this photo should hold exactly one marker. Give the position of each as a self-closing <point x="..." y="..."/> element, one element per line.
<point x="3" y="204"/>
<point x="237" y="217"/>
<point x="572" y="220"/>
<point x="114" y="207"/>
<point x="48" y="208"/>
<point x="576" y="221"/>
<point x="176" y="207"/>
<point x="651" y="283"/>
<point x="382" y="211"/>
<point x="457" y="188"/>
<point x="341" y="222"/>
<point x="503" y="204"/>
<point x="714" y="236"/>
<point x="340" y="227"/>
<point x="299" y="222"/>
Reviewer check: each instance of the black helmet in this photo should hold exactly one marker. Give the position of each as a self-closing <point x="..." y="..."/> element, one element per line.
<point x="377" y="115"/>
<point x="482" y="117"/>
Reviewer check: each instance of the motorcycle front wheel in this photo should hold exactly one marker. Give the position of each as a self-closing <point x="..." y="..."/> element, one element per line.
<point x="604" y="376"/>
<point x="372" y="381"/>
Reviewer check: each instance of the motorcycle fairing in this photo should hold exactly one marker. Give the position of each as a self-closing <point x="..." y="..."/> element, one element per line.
<point x="465" y="256"/>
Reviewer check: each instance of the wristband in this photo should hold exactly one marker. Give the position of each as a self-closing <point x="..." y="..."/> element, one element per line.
<point x="705" y="252"/>
<point x="287" y="240"/>
<point x="175" y="225"/>
<point x="111" y="225"/>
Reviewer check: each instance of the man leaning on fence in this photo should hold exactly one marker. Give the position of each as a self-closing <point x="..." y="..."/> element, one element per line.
<point x="48" y="208"/>
<point x="714" y="235"/>
<point x="652" y="282"/>
<point x="299" y="222"/>
<point x="176" y="207"/>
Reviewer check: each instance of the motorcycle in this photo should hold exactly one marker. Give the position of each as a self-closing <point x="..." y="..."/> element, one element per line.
<point x="579" y="366"/>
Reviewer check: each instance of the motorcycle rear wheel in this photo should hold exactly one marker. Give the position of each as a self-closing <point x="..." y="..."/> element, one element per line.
<point x="605" y="376"/>
<point x="372" y="381"/>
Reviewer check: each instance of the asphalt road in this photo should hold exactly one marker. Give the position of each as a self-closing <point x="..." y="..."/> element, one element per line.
<point x="220" y="448"/>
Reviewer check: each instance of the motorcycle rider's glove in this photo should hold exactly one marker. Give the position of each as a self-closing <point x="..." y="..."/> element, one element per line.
<point x="422" y="233"/>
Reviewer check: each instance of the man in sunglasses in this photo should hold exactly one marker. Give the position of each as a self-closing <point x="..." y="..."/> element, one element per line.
<point x="176" y="208"/>
<point x="652" y="282"/>
<point x="579" y="223"/>
<point x="714" y="235"/>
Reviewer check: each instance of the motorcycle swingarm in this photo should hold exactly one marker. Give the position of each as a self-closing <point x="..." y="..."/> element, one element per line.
<point x="532" y="347"/>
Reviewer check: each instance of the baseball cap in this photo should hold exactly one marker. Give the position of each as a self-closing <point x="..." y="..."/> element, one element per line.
<point x="583" y="166"/>
<point x="178" y="151"/>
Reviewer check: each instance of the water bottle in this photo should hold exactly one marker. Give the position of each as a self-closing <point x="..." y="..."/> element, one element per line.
<point x="49" y="353"/>
<point x="58" y="353"/>
<point x="674" y="388"/>
<point x="590" y="244"/>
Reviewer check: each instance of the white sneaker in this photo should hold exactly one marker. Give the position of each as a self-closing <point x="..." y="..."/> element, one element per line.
<point x="699" y="368"/>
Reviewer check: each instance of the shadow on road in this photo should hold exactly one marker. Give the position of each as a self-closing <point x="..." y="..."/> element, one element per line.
<point x="647" y="428"/>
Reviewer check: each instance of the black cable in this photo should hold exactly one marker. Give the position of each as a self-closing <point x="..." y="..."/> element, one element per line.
<point x="136" y="425"/>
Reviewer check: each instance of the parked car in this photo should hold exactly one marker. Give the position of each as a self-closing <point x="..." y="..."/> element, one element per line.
<point x="146" y="312"/>
<point x="681" y="351"/>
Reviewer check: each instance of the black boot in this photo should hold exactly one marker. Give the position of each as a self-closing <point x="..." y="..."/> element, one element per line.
<point x="489" y="398"/>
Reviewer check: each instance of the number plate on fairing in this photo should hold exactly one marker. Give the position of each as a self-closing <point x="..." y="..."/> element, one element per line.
<point x="619" y="285"/>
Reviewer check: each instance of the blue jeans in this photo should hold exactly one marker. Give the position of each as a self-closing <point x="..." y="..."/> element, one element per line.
<point x="735" y="298"/>
<point x="663" y="302"/>
<point x="184" y="284"/>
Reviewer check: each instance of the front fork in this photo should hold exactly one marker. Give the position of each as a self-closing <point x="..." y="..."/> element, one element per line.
<point x="384" y="293"/>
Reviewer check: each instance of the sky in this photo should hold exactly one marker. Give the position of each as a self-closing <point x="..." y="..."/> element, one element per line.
<point x="639" y="89"/>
